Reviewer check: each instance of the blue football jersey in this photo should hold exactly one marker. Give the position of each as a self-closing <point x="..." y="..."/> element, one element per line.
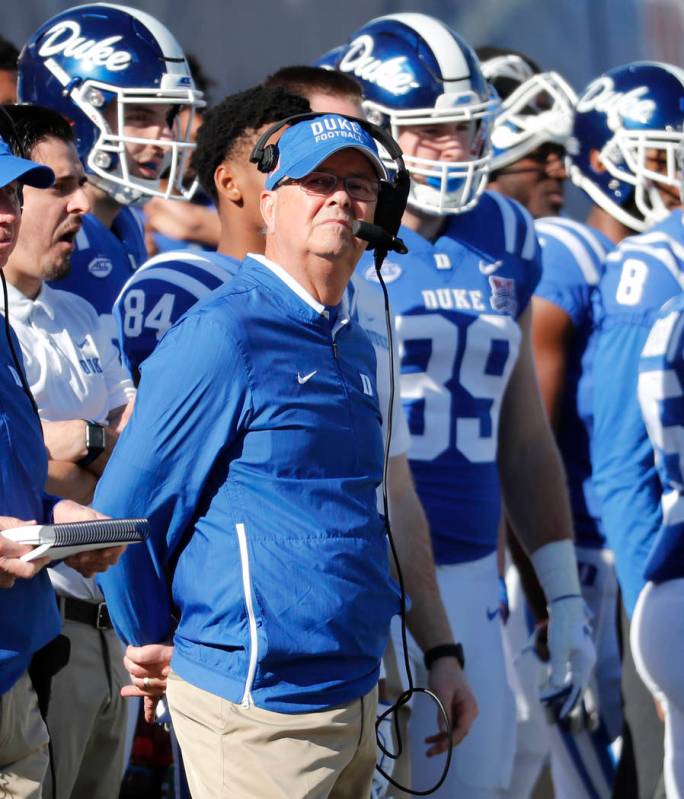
<point x="572" y="264"/>
<point x="456" y="309"/>
<point x="103" y="260"/>
<point x="661" y="396"/>
<point x="159" y="293"/>
<point x="640" y="275"/>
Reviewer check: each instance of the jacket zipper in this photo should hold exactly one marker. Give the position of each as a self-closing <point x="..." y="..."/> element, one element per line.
<point x="249" y="601"/>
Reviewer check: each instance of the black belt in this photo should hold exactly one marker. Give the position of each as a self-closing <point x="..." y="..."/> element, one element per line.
<point x="94" y="614"/>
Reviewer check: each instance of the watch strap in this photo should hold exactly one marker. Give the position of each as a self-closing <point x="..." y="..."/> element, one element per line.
<point x="444" y="651"/>
<point x="95" y="442"/>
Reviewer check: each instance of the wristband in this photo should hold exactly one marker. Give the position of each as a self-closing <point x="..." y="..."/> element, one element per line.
<point x="555" y="565"/>
<point x="444" y="651"/>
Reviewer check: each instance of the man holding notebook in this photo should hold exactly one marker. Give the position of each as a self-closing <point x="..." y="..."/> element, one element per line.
<point x="82" y="393"/>
<point x="29" y="620"/>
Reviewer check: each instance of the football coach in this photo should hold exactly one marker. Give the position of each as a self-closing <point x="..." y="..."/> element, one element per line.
<point x="255" y="450"/>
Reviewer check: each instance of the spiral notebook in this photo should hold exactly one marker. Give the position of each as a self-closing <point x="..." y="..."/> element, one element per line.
<point x="57" y="541"/>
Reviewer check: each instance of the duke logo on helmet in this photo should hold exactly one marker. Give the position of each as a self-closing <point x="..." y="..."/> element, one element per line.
<point x="622" y="118"/>
<point x="617" y="106"/>
<point x="92" y="62"/>
<point x="392" y="74"/>
<point x="89" y="51"/>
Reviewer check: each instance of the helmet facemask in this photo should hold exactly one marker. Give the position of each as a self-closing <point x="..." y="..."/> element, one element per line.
<point x="107" y="161"/>
<point x="539" y="111"/>
<point x="626" y="157"/>
<point x="444" y="187"/>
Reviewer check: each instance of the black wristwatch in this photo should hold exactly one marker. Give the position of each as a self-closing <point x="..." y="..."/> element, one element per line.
<point x="444" y="651"/>
<point x="95" y="442"/>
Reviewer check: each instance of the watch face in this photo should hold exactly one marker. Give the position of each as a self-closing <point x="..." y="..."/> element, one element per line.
<point x="95" y="439"/>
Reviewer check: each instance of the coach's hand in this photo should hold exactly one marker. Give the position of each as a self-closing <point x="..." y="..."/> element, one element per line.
<point x="447" y="681"/>
<point x="11" y="565"/>
<point x="94" y="560"/>
<point x="571" y="656"/>
<point x="149" y="667"/>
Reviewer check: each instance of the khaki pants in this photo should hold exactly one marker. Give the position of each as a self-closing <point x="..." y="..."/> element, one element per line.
<point x="23" y="743"/>
<point x="231" y="751"/>
<point x="87" y="716"/>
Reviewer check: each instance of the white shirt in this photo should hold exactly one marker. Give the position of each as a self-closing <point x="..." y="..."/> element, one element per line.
<point x="74" y="372"/>
<point x="71" y="364"/>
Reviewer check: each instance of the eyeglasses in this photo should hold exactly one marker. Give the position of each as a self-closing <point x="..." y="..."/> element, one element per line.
<point x="324" y="183"/>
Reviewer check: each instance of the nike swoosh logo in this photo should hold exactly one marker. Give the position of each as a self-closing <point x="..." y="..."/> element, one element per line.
<point x="82" y="344"/>
<point x="306" y="378"/>
<point x="488" y="269"/>
<point x="492" y="614"/>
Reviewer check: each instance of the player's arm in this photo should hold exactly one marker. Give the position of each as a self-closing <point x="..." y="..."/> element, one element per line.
<point x="184" y="221"/>
<point x="427" y="620"/>
<point x="144" y="310"/>
<point x="661" y="400"/>
<point x="535" y="494"/>
<point x="552" y="331"/>
<point x="532" y="475"/>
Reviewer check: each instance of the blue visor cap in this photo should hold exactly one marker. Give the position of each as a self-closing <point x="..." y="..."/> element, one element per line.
<point x="27" y="172"/>
<point x="305" y="146"/>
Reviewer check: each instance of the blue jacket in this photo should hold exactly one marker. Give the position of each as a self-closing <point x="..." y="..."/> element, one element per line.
<point x="255" y="450"/>
<point x="28" y="610"/>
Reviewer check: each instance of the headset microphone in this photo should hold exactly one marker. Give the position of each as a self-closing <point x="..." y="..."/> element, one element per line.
<point x="378" y="238"/>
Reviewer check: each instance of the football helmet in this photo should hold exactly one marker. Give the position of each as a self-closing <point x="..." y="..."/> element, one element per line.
<point x="625" y="120"/>
<point x="537" y="107"/>
<point x="414" y="70"/>
<point x="89" y="57"/>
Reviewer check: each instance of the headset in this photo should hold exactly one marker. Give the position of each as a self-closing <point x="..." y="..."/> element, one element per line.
<point x="381" y="237"/>
<point x="392" y="197"/>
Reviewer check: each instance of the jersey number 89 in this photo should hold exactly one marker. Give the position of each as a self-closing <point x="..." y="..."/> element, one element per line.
<point x="475" y="433"/>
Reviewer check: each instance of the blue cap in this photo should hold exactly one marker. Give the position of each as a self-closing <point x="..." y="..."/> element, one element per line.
<point x="28" y="172"/>
<point x="307" y="144"/>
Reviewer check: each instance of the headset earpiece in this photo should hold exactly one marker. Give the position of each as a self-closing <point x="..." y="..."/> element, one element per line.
<point x="392" y="202"/>
<point x="269" y="158"/>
